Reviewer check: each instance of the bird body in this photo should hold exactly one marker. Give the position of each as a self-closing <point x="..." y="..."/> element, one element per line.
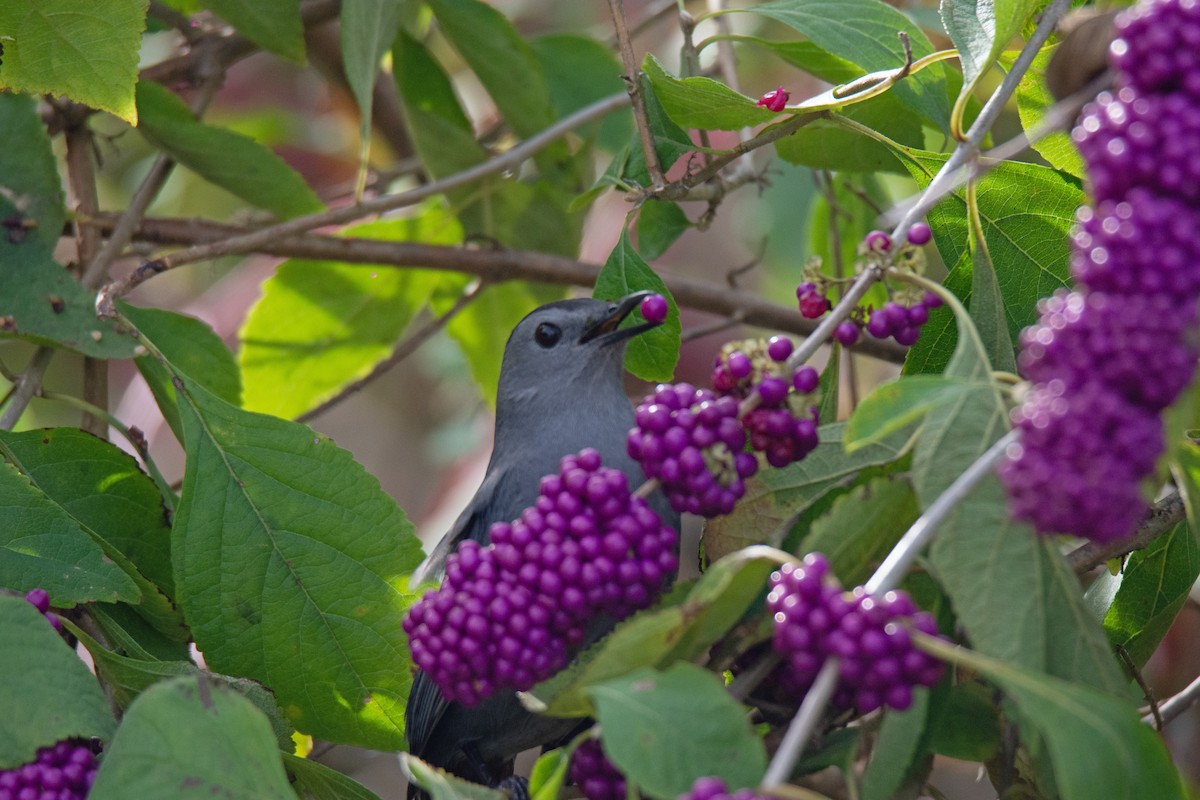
<point x="560" y="391"/>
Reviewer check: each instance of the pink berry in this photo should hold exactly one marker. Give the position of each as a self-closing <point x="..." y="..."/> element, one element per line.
<point x="774" y="100"/>
<point x="878" y="242"/>
<point x="654" y="308"/>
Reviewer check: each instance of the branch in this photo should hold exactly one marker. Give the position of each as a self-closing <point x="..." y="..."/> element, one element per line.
<point x="633" y="84"/>
<point x="1165" y="515"/>
<point x="1177" y="704"/>
<point x="28" y="385"/>
<point x="493" y="265"/>
<point x="258" y="240"/>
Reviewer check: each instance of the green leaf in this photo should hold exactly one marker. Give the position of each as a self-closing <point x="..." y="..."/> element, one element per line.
<point x="579" y="71"/>
<point x="41" y="302"/>
<point x="368" y="28"/>
<point x="230" y="160"/>
<point x="191" y="345"/>
<point x="131" y="634"/>
<point x="127" y="677"/>
<point x="897" y="404"/>
<point x="46" y="691"/>
<point x="774" y="497"/>
<point x="987" y="311"/>
<point x="1033" y="99"/>
<point x="41" y="545"/>
<point x="864" y="32"/>
<point x="274" y="522"/>
<point x="702" y="102"/>
<point x="898" y="750"/>
<point x="980" y="29"/>
<point x="105" y="491"/>
<point x="192" y="737"/>
<point x="678" y="629"/>
<point x="824" y="144"/>
<point x="963" y="723"/>
<point x="807" y="56"/>
<point x="441" y="785"/>
<point x="549" y="774"/>
<point x="1187" y="472"/>
<point x="314" y="780"/>
<point x="507" y="67"/>
<point x="666" y="729"/>
<point x="652" y="355"/>
<point x="862" y="527"/>
<point x="272" y="24"/>
<point x="1026" y="212"/>
<point x="440" y="128"/>
<point x="830" y="385"/>
<point x="80" y="49"/>
<point x="660" y="223"/>
<point x="501" y="58"/>
<point x="985" y="561"/>
<point x="1097" y="744"/>
<point x="32" y="191"/>
<point x="628" y="169"/>
<point x="321" y="325"/>
<point x="1155" y="587"/>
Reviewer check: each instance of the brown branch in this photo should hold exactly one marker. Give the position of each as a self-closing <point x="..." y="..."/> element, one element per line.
<point x="492" y="265"/>
<point x="81" y="179"/>
<point x="633" y="84"/>
<point x="1165" y="515"/>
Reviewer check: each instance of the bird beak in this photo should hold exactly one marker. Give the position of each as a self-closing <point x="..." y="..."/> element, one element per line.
<point x="606" y="329"/>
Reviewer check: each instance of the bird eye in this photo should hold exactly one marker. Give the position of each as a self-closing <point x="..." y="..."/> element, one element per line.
<point x="547" y="334"/>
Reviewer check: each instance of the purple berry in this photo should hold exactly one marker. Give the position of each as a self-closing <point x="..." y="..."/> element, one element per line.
<point x="806" y="380"/>
<point x="920" y="234"/>
<point x="508" y="614"/>
<point x="846" y="333"/>
<point x="39" y="598"/>
<point x="779" y="348"/>
<point x="654" y="308"/>
<point x="63" y="771"/>
<point x="594" y="774"/>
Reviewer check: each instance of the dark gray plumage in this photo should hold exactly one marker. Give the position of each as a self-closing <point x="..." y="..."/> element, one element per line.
<point x="560" y="391"/>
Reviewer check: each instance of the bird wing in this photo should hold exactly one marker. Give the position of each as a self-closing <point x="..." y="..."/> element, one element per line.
<point x="425" y="708"/>
<point x="472" y="523"/>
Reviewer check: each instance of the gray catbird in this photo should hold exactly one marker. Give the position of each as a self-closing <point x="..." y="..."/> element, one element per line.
<point x="560" y="391"/>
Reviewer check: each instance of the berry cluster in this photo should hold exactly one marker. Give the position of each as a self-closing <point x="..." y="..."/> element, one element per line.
<point x="716" y="789"/>
<point x="62" y="771"/>
<point x="40" y="599"/>
<point x="594" y="774"/>
<point x="869" y="636"/>
<point x="691" y="441"/>
<point x="1108" y="358"/>
<point x="901" y="321"/>
<point x="783" y="426"/>
<point x="508" y="613"/>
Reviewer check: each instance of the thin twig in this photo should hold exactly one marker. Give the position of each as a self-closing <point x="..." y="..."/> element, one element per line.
<point x="498" y="265"/>
<point x="263" y="237"/>
<point x="801" y="727"/>
<point x="1165" y="515"/>
<point x="402" y="351"/>
<point x="1133" y="670"/>
<point x="633" y="84"/>
<point x="1177" y="704"/>
<point x="28" y="385"/>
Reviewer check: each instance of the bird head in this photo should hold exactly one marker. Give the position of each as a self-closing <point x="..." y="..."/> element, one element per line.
<point x="569" y="345"/>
